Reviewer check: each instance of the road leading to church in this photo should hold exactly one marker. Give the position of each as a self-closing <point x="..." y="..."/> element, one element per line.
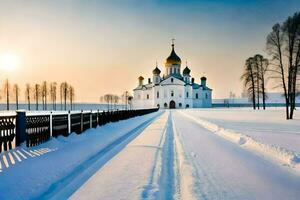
<point x="223" y="170"/>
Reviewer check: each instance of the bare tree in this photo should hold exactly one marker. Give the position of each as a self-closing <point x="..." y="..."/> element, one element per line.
<point x="44" y="94"/>
<point x="283" y="44"/>
<point x="71" y="95"/>
<point x="64" y="88"/>
<point x="28" y="94"/>
<point x="115" y="100"/>
<point x="37" y="93"/>
<point x="6" y="89"/>
<point x="130" y="100"/>
<point x="262" y="66"/>
<point x="16" y="90"/>
<point x="53" y="88"/>
<point x="108" y="98"/>
<point x="248" y="78"/>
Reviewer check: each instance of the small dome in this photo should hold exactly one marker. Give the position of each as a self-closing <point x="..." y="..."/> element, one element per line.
<point x="186" y="71"/>
<point x="173" y="58"/>
<point x="156" y="71"/>
<point x="203" y="78"/>
<point x="141" y="78"/>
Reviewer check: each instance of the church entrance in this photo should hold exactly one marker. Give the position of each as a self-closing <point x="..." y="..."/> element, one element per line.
<point x="172" y="104"/>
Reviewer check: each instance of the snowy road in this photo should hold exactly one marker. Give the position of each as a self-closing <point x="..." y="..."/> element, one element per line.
<point x="164" y="155"/>
<point x="223" y="170"/>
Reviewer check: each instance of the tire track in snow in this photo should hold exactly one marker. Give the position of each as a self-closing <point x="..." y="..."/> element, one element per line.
<point x="148" y="192"/>
<point x="167" y="177"/>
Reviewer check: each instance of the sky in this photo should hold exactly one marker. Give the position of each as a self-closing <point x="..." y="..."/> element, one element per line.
<point x="103" y="46"/>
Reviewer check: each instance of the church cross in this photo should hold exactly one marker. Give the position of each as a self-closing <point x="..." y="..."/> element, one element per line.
<point x="173" y="40"/>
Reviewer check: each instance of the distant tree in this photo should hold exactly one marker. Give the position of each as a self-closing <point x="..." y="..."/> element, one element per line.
<point x="108" y="98"/>
<point x="125" y="99"/>
<point x="115" y="100"/>
<point x="53" y="88"/>
<point x="28" y="94"/>
<point x="71" y="95"/>
<point x="64" y="89"/>
<point x="44" y="94"/>
<point x="16" y="90"/>
<point x="129" y="100"/>
<point x="283" y="44"/>
<point x="37" y="94"/>
<point x="6" y="89"/>
<point x="248" y="78"/>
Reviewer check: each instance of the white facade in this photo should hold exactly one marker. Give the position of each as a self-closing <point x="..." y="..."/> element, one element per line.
<point x="173" y="90"/>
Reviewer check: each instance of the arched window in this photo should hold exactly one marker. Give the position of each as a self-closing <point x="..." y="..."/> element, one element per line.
<point x="196" y="95"/>
<point x="187" y="94"/>
<point x="158" y="105"/>
<point x="165" y="105"/>
<point x="206" y="96"/>
<point x="157" y="94"/>
<point x="180" y="105"/>
<point x="187" y="105"/>
<point x="172" y="80"/>
<point x="172" y="93"/>
<point x="147" y="96"/>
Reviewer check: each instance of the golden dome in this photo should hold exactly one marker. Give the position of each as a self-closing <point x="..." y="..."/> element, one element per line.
<point x="173" y="58"/>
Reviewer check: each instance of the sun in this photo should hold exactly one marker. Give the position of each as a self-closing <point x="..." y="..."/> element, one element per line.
<point x="9" y="61"/>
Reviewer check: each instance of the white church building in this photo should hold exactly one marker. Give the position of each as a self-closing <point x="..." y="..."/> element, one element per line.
<point x="173" y="89"/>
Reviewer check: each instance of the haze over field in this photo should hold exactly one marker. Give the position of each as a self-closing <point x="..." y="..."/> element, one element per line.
<point x="103" y="46"/>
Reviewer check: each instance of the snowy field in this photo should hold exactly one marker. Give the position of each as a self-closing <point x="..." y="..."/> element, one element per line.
<point x="171" y="154"/>
<point x="267" y="126"/>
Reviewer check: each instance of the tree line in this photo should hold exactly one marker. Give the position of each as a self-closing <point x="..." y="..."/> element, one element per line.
<point x="112" y="100"/>
<point x="283" y="47"/>
<point x="40" y="94"/>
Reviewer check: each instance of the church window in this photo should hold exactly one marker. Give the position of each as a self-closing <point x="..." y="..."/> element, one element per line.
<point x="165" y="105"/>
<point x="180" y="105"/>
<point x="196" y="95"/>
<point x="157" y="94"/>
<point x="187" y="94"/>
<point x="172" y="80"/>
<point x="172" y="93"/>
<point x="158" y="105"/>
<point x="187" y="106"/>
<point x="147" y="96"/>
<point x="206" y="96"/>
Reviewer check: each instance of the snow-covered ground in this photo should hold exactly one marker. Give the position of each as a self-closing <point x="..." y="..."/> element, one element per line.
<point x="59" y="166"/>
<point x="172" y="154"/>
<point x="267" y="126"/>
<point x="224" y="170"/>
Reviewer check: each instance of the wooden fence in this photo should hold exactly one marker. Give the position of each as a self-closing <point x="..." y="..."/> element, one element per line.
<point x="37" y="129"/>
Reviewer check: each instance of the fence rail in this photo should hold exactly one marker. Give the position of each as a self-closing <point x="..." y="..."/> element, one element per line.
<point x="37" y="129"/>
<point x="7" y="132"/>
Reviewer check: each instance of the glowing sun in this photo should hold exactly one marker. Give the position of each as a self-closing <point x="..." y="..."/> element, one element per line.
<point x="9" y="62"/>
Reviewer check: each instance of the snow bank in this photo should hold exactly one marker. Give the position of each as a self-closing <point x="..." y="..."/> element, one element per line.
<point x="283" y="155"/>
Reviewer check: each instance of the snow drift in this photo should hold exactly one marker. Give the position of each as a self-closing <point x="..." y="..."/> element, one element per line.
<point x="275" y="153"/>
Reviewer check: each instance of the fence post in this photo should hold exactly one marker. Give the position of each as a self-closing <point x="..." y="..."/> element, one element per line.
<point x="81" y="121"/>
<point x="69" y="122"/>
<point x="21" y="135"/>
<point x="91" y="119"/>
<point x="51" y="127"/>
<point x="97" y="117"/>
